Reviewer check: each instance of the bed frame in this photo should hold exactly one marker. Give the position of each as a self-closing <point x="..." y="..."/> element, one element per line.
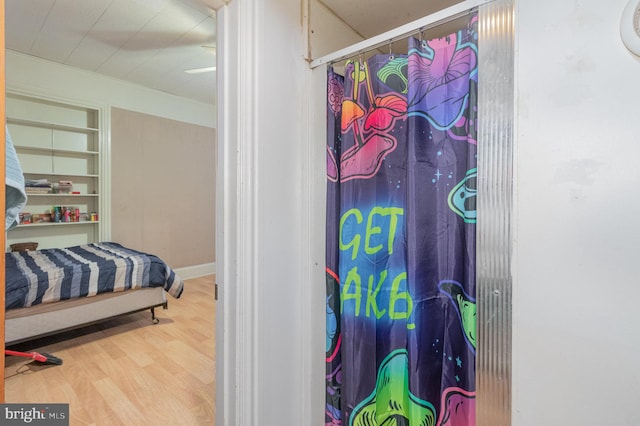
<point x="24" y="324"/>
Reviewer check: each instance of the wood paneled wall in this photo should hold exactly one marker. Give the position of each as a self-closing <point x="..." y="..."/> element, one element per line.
<point x="163" y="178"/>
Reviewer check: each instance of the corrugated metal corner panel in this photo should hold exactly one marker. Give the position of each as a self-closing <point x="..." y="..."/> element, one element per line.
<point x="495" y="206"/>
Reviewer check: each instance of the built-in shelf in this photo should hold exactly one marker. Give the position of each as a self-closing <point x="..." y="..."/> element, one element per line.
<point x="56" y="141"/>
<point x="49" y="125"/>
<point x="62" y="195"/>
<point x="54" y="150"/>
<point x="79" y="175"/>
<point x="34" y="225"/>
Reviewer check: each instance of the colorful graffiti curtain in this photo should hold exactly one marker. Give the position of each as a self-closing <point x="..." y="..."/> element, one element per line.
<point x="400" y="276"/>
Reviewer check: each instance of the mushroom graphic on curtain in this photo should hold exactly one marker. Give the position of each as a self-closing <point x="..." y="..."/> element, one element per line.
<point x="400" y="261"/>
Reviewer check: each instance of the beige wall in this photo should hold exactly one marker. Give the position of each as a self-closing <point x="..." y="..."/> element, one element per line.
<point x="163" y="176"/>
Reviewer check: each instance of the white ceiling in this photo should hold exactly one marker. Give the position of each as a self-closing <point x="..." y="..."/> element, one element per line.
<point x="148" y="42"/>
<point x="152" y="42"/>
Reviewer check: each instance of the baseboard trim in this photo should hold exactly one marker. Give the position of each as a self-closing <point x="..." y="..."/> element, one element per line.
<point x="196" y="271"/>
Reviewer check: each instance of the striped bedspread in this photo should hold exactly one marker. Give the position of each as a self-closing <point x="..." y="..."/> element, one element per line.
<point x="49" y="275"/>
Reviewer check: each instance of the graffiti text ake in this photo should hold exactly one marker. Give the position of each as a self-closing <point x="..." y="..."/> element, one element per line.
<point x="363" y="239"/>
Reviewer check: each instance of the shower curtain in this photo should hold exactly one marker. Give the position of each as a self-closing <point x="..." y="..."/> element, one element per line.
<point x="400" y="261"/>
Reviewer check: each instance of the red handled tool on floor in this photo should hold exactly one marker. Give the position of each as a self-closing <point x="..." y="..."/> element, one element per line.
<point x="43" y="358"/>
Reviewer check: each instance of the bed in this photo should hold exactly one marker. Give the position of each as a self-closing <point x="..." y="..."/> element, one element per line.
<point x="53" y="290"/>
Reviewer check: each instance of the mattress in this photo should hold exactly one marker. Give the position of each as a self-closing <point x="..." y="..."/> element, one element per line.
<point x="51" y="275"/>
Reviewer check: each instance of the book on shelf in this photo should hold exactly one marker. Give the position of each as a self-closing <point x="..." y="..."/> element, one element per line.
<point x="37" y="190"/>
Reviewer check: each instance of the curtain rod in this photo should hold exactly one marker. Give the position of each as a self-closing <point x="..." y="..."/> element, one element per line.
<point x="400" y="32"/>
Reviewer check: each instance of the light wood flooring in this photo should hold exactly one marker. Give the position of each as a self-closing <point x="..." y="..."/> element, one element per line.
<point x="128" y="371"/>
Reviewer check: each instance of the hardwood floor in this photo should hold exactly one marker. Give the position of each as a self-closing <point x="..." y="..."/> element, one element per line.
<point x="128" y="371"/>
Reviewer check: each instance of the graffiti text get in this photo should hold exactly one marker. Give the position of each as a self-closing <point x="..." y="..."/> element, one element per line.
<point x="370" y="230"/>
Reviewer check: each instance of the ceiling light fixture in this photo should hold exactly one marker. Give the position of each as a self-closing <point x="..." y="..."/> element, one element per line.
<point x="211" y="49"/>
<point x="199" y="70"/>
